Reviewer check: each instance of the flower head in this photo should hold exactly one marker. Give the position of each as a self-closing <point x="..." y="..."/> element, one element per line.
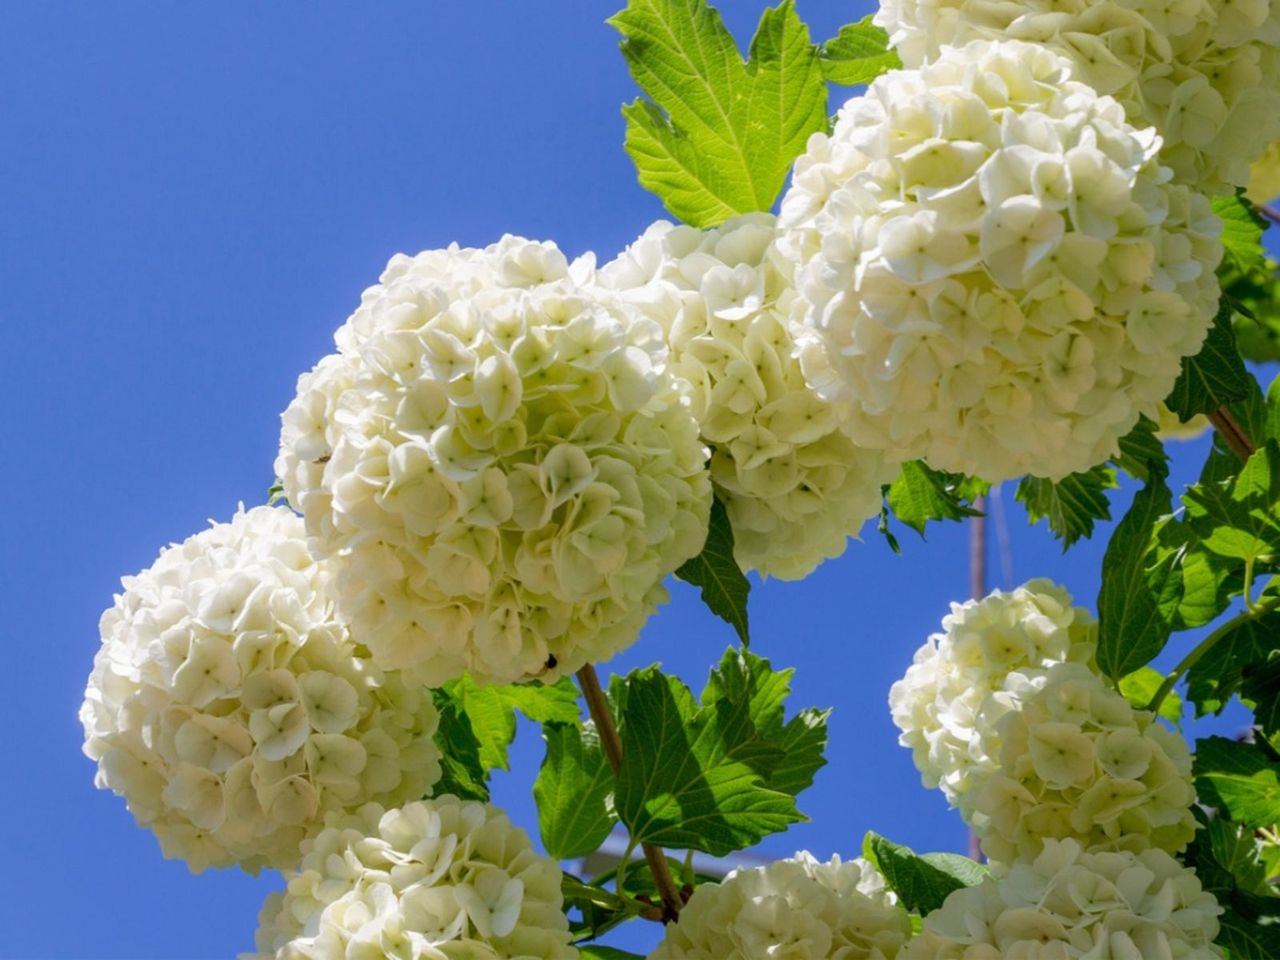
<point x="231" y="710"/>
<point x="501" y="463"/>
<point x="993" y="269"/>
<point x="440" y="879"/>
<point x="794" y="909"/>
<point x="794" y="486"/>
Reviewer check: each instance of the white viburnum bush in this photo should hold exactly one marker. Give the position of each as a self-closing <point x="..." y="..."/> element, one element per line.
<point x="1204" y="73"/>
<point x="1019" y="257"/>
<point x="230" y="708"/>
<point x="501" y="464"/>
<point x="793" y="909"/>
<point x="993" y="269"/>
<point x="440" y="879"/>
<point x="1070" y="904"/>
<point x="794" y="486"/>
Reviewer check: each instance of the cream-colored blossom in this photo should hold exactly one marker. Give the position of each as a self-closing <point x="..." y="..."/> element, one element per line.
<point x="500" y="462"/>
<point x="1169" y="426"/>
<point x="440" y="879"/>
<point x="231" y="710"/>
<point x="794" y="486"/>
<point x="938" y="703"/>
<point x="794" y="909"/>
<point x="993" y="270"/>
<point x="1204" y="73"/>
<point x="1069" y="904"/>
<point x="1264" y="175"/>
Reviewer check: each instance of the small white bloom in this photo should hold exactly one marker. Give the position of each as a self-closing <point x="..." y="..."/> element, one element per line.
<point x="229" y="708"/>
<point x="440" y="879"/>
<point x="794" y="909"/>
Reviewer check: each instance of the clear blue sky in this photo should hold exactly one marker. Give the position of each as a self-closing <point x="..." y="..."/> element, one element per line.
<point x="192" y="198"/>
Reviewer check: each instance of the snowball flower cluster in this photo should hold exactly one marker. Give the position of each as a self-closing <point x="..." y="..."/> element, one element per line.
<point x="1204" y="73"/>
<point x="794" y="909"/>
<point x="795" y="488"/>
<point x="1264" y="175"/>
<point x="1068" y="904"/>
<point x="439" y="879"/>
<point x="230" y="708"/>
<point x="1070" y="757"/>
<point x="939" y="702"/>
<point x="502" y="463"/>
<point x="993" y="269"/>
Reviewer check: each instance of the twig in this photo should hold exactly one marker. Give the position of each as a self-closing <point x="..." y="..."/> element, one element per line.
<point x="672" y="902"/>
<point x="977" y="590"/>
<point x="1231" y="431"/>
<point x="1268" y="211"/>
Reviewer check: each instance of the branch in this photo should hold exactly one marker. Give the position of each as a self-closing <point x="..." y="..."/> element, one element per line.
<point x="1268" y="211"/>
<point x="1233" y="433"/>
<point x="598" y="706"/>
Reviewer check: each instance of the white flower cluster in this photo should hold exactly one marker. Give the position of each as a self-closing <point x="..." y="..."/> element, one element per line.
<point x="1072" y="759"/>
<point x="501" y="461"/>
<point x="1006" y="714"/>
<point x="1069" y="904"/>
<point x="1264" y="175"/>
<point x="795" y="488"/>
<point x="1204" y="73"/>
<point x="993" y="269"/>
<point x="439" y="879"/>
<point x="794" y="909"/>
<point x="230" y="709"/>
<point x="939" y="703"/>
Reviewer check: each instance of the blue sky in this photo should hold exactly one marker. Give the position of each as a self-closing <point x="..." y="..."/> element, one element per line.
<point x="192" y="198"/>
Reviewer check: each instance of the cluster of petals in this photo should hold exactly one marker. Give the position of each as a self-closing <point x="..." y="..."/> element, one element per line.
<point x="501" y="462"/>
<point x="440" y="879"/>
<point x="1071" y="758"/>
<point x="1072" y="904"/>
<point x="232" y="711"/>
<point x="1204" y="73"/>
<point x="1264" y="175"/>
<point x="993" y="269"/>
<point x="939" y="704"/>
<point x="793" y="909"/>
<point x="795" y="488"/>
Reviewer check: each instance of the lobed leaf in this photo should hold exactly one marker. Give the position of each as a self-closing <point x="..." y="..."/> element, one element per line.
<point x="922" y="883"/>
<point x="1071" y="505"/>
<point x="858" y="54"/>
<point x="723" y="585"/>
<point x="1239" y="779"/>
<point x="572" y="791"/>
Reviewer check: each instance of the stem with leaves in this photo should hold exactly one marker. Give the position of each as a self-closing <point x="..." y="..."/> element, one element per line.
<point x="1233" y="433"/>
<point x="598" y="706"/>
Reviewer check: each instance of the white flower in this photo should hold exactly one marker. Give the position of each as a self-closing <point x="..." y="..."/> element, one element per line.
<point x="1068" y="904"/>
<point x="501" y="463"/>
<point x="440" y="879"/>
<point x="1070" y="758"/>
<point x="229" y="708"/>
<point x="938" y="703"/>
<point x="1264" y="175"/>
<point x="993" y="271"/>
<point x="795" y="909"/>
<point x="1204" y="73"/>
<point x="794" y="486"/>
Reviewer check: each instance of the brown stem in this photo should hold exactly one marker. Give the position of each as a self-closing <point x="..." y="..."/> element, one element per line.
<point x="1233" y="433"/>
<point x="1268" y="211"/>
<point x="977" y="590"/>
<point x="612" y="744"/>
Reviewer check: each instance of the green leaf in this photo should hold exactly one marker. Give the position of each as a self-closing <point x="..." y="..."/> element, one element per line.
<point x="1136" y="604"/>
<point x="1255" y="293"/>
<point x="463" y="773"/>
<point x="1217" y="675"/>
<point x="922" y="883"/>
<point x="275" y="492"/>
<point x="1142" y="454"/>
<point x="491" y="711"/>
<point x="1141" y="685"/>
<point x="1247" y="939"/>
<point x="858" y="54"/>
<point x="920" y="494"/>
<point x="717" y="136"/>
<point x="714" y="776"/>
<point x="1205" y="579"/>
<point x="724" y="586"/>
<point x="1261" y="687"/>
<point x="572" y="791"/>
<point x="1239" y="518"/>
<point x="1072" y="505"/>
<point x="1239" y="779"/>
<point x="1241" y="232"/>
<point x="1215" y="376"/>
